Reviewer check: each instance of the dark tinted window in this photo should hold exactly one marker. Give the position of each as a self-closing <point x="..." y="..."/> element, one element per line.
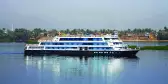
<point x="42" y="43"/>
<point x="106" y="38"/>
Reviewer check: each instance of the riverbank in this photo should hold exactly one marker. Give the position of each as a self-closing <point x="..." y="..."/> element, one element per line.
<point x="149" y="47"/>
<point x="154" y="48"/>
<point x="144" y="40"/>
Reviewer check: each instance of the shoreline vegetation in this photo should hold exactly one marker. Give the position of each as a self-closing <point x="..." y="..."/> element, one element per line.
<point x="144" y="40"/>
<point x="136" y="34"/>
<point x="130" y="46"/>
<point x="149" y="47"/>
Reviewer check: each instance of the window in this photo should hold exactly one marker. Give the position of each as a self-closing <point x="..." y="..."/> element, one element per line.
<point x="67" y="39"/>
<point x="84" y="43"/>
<point x="48" y="43"/>
<point x="74" y="39"/>
<point x="106" y="38"/>
<point x="114" y="38"/>
<point x="47" y="47"/>
<point x="95" y="39"/>
<point x="61" y="43"/>
<point x="87" y="44"/>
<point x="117" y="43"/>
<point x="77" y="43"/>
<point x="94" y="43"/>
<point x="42" y="43"/>
<point x="70" y="39"/>
<point x="90" y="43"/>
<point x="90" y="39"/>
<point x="85" y="39"/>
<point x="74" y="47"/>
<point x="55" y="43"/>
<point x="66" y="43"/>
<point x="102" y="43"/>
<point x="94" y="48"/>
<point x="99" y="39"/>
<point x="90" y="47"/>
<point x="80" y="39"/>
<point x="63" y="39"/>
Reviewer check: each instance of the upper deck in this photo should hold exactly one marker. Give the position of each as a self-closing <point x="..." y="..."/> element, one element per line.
<point x="85" y="38"/>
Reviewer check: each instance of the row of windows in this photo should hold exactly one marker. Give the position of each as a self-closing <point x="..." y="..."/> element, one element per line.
<point x="76" y="48"/>
<point x="100" y="48"/>
<point x="117" y="43"/>
<point x="80" y="39"/>
<point x="49" y="43"/>
<point x="111" y="38"/>
<point x="61" y="47"/>
<point x="36" y="47"/>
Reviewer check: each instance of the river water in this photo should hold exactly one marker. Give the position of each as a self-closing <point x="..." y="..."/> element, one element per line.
<point x="150" y="67"/>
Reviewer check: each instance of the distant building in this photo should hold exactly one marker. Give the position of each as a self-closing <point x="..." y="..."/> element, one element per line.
<point x="143" y="38"/>
<point x="152" y="36"/>
<point x="129" y="34"/>
<point x="147" y="34"/>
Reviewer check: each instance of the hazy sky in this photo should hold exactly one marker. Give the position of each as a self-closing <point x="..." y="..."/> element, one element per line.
<point x="95" y="14"/>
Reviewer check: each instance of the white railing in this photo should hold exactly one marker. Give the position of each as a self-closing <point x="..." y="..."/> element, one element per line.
<point x="32" y="44"/>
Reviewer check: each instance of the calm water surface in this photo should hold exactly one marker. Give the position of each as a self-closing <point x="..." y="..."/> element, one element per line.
<point x="151" y="67"/>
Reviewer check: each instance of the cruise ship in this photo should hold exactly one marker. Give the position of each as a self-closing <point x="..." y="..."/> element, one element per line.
<point x="106" y="45"/>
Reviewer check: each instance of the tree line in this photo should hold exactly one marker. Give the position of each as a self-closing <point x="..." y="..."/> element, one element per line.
<point x="23" y="34"/>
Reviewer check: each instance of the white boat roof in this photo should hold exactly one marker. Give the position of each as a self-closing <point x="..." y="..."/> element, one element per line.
<point x="88" y="36"/>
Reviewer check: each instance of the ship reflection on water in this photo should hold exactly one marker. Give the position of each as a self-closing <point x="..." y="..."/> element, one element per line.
<point x="68" y="67"/>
